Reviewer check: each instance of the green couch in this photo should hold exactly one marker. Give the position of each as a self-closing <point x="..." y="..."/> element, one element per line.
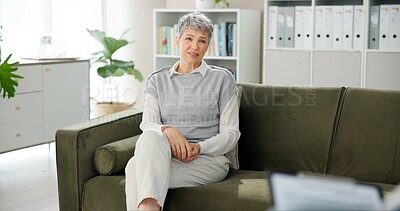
<point x="347" y="132"/>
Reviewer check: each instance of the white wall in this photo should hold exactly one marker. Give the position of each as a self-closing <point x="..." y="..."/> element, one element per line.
<point x="119" y="15"/>
<point x="243" y="4"/>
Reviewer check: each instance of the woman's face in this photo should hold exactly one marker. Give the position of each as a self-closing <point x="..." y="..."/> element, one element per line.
<point x="193" y="45"/>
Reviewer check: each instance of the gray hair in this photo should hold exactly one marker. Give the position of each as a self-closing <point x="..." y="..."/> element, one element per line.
<point x="196" y="21"/>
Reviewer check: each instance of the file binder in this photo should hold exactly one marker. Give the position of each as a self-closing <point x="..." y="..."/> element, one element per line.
<point x="272" y="26"/>
<point x="337" y="27"/>
<point x="384" y="24"/>
<point x="374" y="27"/>
<point x="394" y="27"/>
<point x="299" y="27"/>
<point x="308" y="27"/>
<point x="280" y="32"/>
<point x="358" y="35"/>
<point x="319" y="22"/>
<point x="327" y="28"/>
<point x="348" y="15"/>
<point x="289" y="27"/>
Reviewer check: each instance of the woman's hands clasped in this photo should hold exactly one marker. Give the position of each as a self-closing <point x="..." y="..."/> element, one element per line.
<point x="180" y="147"/>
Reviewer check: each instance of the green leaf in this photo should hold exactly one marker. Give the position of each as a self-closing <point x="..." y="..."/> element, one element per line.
<point x="7" y="82"/>
<point x="102" y="59"/>
<point x="98" y="35"/>
<point x="106" y="71"/>
<point x="110" y="44"/>
<point x="121" y="63"/>
<point x="113" y="45"/>
<point x="136" y="73"/>
<point x="119" y="72"/>
<point x="226" y="2"/>
<point x="129" y="68"/>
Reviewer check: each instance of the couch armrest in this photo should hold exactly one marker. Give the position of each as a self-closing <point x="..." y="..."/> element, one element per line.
<point x="75" y="146"/>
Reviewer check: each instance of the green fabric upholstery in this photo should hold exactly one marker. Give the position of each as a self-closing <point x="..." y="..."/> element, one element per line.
<point x="241" y="190"/>
<point x="104" y="193"/>
<point x="75" y="146"/>
<point x="367" y="143"/>
<point x="113" y="157"/>
<point x="287" y="128"/>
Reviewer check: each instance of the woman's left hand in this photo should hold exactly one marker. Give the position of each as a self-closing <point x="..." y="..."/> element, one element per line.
<point x="195" y="151"/>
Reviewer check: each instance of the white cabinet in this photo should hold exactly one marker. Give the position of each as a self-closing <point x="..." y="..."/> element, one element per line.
<point x="357" y="61"/>
<point x="65" y="95"/>
<point x="244" y="62"/>
<point x="21" y="107"/>
<point x="294" y="70"/>
<point x="51" y="95"/>
<point x="16" y="135"/>
<point x="336" y="68"/>
<point x="383" y="70"/>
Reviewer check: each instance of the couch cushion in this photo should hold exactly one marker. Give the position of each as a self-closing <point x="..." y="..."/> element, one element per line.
<point x="367" y="142"/>
<point x="104" y="193"/>
<point x="286" y="128"/>
<point x="241" y="190"/>
<point x="113" y="157"/>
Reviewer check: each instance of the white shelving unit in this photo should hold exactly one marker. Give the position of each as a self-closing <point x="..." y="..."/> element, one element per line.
<point x="246" y="63"/>
<point x="317" y="66"/>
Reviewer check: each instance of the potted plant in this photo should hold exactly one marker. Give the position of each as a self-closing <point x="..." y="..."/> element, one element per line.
<point x="209" y="4"/>
<point x="8" y="80"/>
<point x="222" y="3"/>
<point x="112" y="67"/>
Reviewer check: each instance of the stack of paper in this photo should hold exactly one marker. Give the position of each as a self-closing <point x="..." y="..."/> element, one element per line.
<point x="312" y="192"/>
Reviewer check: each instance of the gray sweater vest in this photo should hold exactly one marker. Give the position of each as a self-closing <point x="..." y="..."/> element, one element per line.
<point x="191" y="102"/>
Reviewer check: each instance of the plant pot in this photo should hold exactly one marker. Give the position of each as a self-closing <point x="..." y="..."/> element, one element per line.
<point x="106" y="108"/>
<point x="205" y="4"/>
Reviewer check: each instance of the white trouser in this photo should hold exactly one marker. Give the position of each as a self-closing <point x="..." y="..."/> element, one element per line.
<point x="152" y="170"/>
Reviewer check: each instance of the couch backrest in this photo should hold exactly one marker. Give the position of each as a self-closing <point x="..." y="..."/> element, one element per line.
<point x="366" y="145"/>
<point x="286" y="128"/>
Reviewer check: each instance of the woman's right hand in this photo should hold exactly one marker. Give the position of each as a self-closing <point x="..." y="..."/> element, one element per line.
<point x="180" y="147"/>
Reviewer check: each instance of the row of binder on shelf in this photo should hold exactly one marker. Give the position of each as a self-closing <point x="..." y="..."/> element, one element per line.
<point x="222" y="43"/>
<point x="384" y="27"/>
<point x="336" y="27"/>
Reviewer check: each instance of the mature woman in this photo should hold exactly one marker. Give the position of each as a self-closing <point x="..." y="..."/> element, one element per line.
<point x="190" y="120"/>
